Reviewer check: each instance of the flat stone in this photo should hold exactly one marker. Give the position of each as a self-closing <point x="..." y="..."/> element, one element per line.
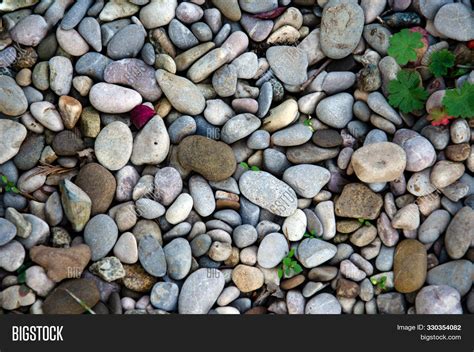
<point x="379" y="162"/>
<point x="323" y="303"/>
<point x="12" y="256"/>
<point x="200" y="291"/>
<point x="168" y="185"/>
<point x="151" y="256"/>
<point x="92" y="65"/>
<point x="151" y="144"/>
<point x="273" y="248"/>
<point x="60" y="300"/>
<point x="247" y="278"/>
<point x="457" y="274"/>
<point x="288" y="63"/>
<point x="359" y="202"/>
<point x="336" y="110"/>
<point x="113" y="146"/>
<point x="12" y="99"/>
<point x="62" y="263"/>
<point x="164" y="296"/>
<point x="266" y="191"/>
<point x="215" y="161"/>
<point x="312" y="252"/>
<point x="182" y="93"/>
<point x="158" y="13"/>
<point x="127" y="42"/>
<point x="113" y="99"/>
<point x="136" y="74"/>
<point x="100" y="234"/>
<point x="12" y="136"/>
<point x="455" y="22"/>
<point x="438" y="299"/>
<point x="342" y="23"/>
<point x="178" y="258"/>
<point x="307" y="180"/>
<point x="409" y="266"/>
<point x="459" y="233"/>
<point x="30" y="30"/>
<point x="238" y="127"/>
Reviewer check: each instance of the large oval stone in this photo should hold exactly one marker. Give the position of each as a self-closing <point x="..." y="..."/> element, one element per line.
<point x="213" y="160"/>
<point x="61" y="300"/>
<point x="200" y="291"/>
<point x="99" y="184"/>
<point x="379" y="162"/>
<point x="341" y="28"/>
<point x="181" y="92"/>
<point x="409" y="266"/>
<point x="113" y="99"/>
<point x="113" y="146"/>
<point x="268" y="192"/>
<point x="12" y="99"/>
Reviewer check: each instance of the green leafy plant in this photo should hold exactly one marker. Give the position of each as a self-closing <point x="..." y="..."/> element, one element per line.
<point x="364" y="222"/>
<point x="460" y="102"/>
<point x="380" y="283"/>
<point x="8" y="185"/>
<point x="441" y="61"/>
<point x="289" y="265"/>
<point x="406" y="93"/>
<point x="247" y="167"/>
<point x="403" y="46"/>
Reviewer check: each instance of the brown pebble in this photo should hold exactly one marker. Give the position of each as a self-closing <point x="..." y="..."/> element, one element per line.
<point x="293" y="282"/>
<point x="458" y="152"/>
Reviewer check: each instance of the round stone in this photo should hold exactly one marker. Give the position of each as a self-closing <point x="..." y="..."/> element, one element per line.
<point x="247" y="278"/>
<point x="379" y="162"/>
<point x="336" y="110"/>
<point x="215" y="161"/>
<point x="164" y="296"/>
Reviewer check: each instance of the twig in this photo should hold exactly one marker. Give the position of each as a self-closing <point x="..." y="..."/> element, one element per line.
<point x="47" y="169"/>
<point x="81" y="302"/>
<point x="313" y="76"/>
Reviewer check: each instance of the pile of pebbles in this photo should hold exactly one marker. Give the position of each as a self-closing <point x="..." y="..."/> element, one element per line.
<point x="169" y="155"/>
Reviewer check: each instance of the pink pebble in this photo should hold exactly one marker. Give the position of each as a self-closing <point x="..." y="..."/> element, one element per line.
<point x="141" y="114"/>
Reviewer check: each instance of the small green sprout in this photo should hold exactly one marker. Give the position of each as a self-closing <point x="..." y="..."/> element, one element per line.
<point x="289" y="265"/>
<point x="364" y="222"/>
<point x="247" y="167"/>
<point x="311" y="234"/>
<point x="380" y="283"/>
<point x="21" y="271"/>
<point x="8" y="185"/>
<point x="309" y="123"/>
